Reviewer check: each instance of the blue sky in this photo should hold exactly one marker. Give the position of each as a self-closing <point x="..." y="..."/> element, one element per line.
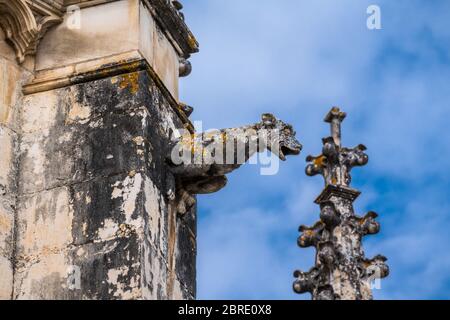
<point x="296" y="59"/>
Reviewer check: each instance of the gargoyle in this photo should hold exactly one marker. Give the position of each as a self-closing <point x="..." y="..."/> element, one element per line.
<point x="199" y="163"/>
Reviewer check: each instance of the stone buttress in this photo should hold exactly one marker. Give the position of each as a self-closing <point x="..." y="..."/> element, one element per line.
<point x="88" y="104"/>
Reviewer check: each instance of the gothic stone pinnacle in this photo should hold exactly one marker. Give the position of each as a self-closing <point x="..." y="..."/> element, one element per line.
<point x="341" y="271"/>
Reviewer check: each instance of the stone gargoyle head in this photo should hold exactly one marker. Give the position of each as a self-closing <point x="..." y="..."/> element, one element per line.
<point x="282" y="137"/>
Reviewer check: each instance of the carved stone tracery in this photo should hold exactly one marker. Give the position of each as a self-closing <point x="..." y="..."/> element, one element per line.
<point x="25" y="22"/>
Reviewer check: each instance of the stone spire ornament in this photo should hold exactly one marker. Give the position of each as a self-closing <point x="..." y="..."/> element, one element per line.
<point x="341" y="271"/>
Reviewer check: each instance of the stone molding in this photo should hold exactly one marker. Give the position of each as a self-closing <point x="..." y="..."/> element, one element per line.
<point x="337" y="191"/>
<point x="46" y="80"/>
<point x="169" y="17"/>
<point x="26" y="21"/>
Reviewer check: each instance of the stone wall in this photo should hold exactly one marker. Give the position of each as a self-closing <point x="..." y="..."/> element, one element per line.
<point x="85" y="125"/>
<point x="11" y="77"/>
<point x="92" y="194"/>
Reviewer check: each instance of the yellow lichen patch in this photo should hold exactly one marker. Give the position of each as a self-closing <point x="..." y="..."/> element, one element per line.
<point x="309" y="233"/>
<point x="224" y="137"/>
<point x="192" y="41"/>
<point x="319" y="161"/>
<point x="130" y="81"/>
<point x="189" y="143"/>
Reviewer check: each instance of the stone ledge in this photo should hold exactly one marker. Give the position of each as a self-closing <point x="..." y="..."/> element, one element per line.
<point x="169" y="18"/>
<point x="340" y="191"/>
<point x="86" y="3"/>
<point x="97" y="69"/>
<point x="90" y="70"/>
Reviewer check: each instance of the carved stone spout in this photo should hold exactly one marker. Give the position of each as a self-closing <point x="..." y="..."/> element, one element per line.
<point x="200" y="162"/>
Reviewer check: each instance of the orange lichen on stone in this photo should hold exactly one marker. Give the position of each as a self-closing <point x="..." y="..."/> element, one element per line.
<point x="130" y="80"/>
<point x="320" y="161"/>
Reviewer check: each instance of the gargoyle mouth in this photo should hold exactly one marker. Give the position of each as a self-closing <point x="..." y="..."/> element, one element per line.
<point x="289" y="151"/>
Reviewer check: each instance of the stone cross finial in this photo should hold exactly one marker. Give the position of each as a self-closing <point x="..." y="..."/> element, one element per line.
<point x="341" y="272"/>
<point x="336" y="162"/>
<point x="335" y="118"/>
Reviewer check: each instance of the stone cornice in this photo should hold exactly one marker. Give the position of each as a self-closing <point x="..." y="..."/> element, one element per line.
<point x="99" y="69"/>
<point x="85" y="4"/>
<point x="172" y="21"/>
<point x="25" y="22"/>
<point x="337" y="191"/>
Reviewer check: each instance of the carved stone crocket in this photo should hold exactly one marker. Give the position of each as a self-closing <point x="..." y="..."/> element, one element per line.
<point x="341" y="271"/>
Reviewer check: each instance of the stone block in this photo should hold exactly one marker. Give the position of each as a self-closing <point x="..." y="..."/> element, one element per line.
<point x="10" y="91"/>
<point x="104" y="30"/>
<point x="6" y="226"/>
<point x="44" y="222"/>
<point x="155" y="281"/>
<point x="129" y="23"/>
<point x="99" y="271"/>
<point x="72" y="153"/>
<point x="6" y="281"/>
<point x="8" y="143"/>
<point x="166" y="62"/>
<point x="6" y="50"/>
<point x="108" y="208"/>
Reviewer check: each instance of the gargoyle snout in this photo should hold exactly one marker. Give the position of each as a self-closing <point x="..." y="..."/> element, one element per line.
<point x="292" y="147"/>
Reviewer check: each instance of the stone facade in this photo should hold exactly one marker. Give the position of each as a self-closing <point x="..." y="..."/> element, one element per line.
<point x="86" y="115"/>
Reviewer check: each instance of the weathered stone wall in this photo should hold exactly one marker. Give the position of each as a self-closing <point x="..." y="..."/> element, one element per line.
<point x="85" y="124"/>
<point x="11" y="78"/>
<point x="92" y="195"/>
